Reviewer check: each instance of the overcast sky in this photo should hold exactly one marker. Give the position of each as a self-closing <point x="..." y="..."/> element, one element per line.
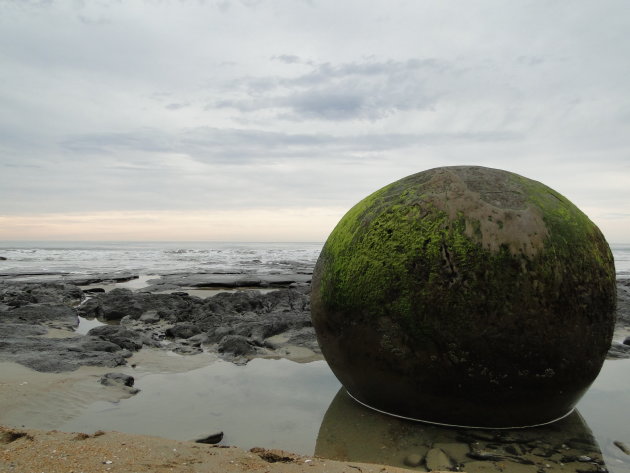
<point x="259" y="120"/>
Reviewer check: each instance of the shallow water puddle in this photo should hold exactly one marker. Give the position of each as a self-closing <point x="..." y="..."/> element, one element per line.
<point x="269" y="403"/>
<point x="85" y="325"/>
<point x="301" y="408"/>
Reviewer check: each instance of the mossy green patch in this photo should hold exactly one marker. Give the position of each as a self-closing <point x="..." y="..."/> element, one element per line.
<point x="397" y="255"/>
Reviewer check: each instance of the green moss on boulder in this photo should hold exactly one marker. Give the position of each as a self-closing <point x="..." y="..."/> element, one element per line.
<point x="458" y="288"/>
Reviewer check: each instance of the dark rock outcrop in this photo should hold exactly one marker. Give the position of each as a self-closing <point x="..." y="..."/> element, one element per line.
<point x="118" y="335"/>
<point x="113" y="305"/>
<point x="183" y="323"/>
<point x="59" y="354"/>
<point x="235" y="345"/>
<point x="50" y="314"/>
<point x="19" y="294"/>
<point x="183" y="330"/>
<point x="29" y="310"/>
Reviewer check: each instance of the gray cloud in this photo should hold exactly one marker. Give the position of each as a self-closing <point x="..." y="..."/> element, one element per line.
<point x="366" y="90"/>
<point x="245" y="146"/>
<point x="176" y="106"/>
<point x="287" y="58"/>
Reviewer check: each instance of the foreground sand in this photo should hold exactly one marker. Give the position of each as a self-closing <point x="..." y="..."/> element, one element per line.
<point x="36" y="451"/>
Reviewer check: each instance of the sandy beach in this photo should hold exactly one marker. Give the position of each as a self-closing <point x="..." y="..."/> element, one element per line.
<point x="37" y="451"/>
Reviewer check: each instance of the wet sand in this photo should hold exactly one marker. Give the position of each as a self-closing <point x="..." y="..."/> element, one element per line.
<point x="26" y="394"/>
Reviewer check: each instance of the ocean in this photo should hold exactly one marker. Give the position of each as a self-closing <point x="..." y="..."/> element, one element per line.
<point x="154" y="258"/>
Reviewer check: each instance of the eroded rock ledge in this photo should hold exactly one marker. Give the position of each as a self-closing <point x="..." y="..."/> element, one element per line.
<point x="38" y="323"/>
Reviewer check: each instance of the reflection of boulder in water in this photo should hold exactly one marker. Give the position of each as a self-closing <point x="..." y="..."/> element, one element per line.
<point x="351" y="432"/>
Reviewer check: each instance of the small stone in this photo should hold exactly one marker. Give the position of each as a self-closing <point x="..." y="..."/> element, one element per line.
<point x="117" y="379"/>
<point x="436" y="459"/>
<point x="187" y="350"/>
<point x="626" y="341"/>
<point x="413" y="459"/>
<point x="211" y="439"/>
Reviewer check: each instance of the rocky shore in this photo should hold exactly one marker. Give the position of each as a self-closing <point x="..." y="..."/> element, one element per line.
<point x="39" y="319"/>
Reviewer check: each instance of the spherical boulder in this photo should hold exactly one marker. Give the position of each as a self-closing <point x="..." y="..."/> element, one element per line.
<point x="465" y="296"/>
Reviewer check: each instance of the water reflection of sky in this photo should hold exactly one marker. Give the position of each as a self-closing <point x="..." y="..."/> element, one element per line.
<point x="621" y="254"/>
<point x="281" y="404"/>
<point x="268" y="403"/>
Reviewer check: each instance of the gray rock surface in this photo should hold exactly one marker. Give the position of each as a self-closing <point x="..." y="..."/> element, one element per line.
<point x="118" y="335"/>
<point x="119" y="380"/>
<point x="10" y="330"/>
<point x="620" y="347"/>
<point x="238" y="325"/>
<point x="222" y="280"/>
<point x="114" y="306"/>
<point x="59" y="354"/>
<point x="16" y="295"/>
<point x="618" y="351"/>
<point x="183" y="330"/>
<point x="27" y="313"/>
<point x="183" y="323"/>
<point x="235" y="346"/>
<point x="53" y="315"/>
<point x="115" y="379"/>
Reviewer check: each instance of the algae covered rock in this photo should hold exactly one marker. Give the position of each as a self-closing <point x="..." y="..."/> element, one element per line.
<point x="468" y="296"/>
